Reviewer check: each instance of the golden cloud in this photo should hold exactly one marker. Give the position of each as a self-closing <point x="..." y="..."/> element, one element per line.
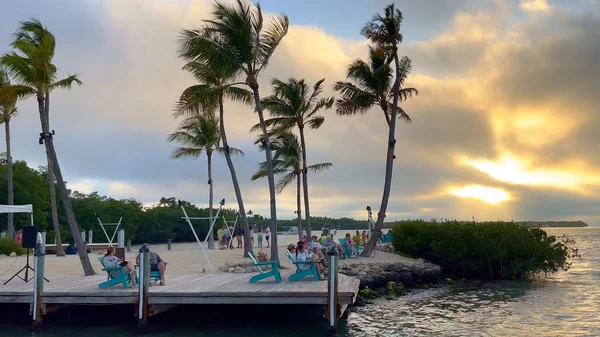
<point x="486" y="194"/>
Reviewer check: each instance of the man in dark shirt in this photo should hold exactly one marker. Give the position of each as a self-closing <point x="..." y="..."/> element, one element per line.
<point x="156" y="264"/>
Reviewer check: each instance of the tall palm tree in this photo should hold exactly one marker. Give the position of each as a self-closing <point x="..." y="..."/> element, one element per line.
<point x="371" y="87"/>
<point x="9" y="95"/>
<point x="237" y="37"/>
<point x="31" y="65"/>
<point x="294" y="105"/>
<point x="216" y="83"/>
<point x="197" y="134"/>
<point x="287" y="160"/>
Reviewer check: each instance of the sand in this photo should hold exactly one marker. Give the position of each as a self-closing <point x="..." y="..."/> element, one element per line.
<point x="183" y="258"/>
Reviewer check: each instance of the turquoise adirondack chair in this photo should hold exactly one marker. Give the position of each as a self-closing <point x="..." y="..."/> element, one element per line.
<point x="263" y="274"/>
<point x="300" y="272"/>
<point x="115" y="276"/>
<point x="347" y="250"/>
<point x="154" y="275"/>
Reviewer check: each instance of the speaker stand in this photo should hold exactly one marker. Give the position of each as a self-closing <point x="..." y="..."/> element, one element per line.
<point x="25" y="269"/>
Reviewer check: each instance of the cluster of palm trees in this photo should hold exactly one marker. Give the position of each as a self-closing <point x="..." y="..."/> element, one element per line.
<point x="226" y="55"/>
<point x="30" y="66"/>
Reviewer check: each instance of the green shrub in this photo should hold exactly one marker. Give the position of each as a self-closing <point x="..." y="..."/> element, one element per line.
<point x="494" y="250"/>
<point x="8" y="245"/>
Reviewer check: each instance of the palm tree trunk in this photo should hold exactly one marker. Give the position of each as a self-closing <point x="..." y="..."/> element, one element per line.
<point x="211" y="238"/>
<point x="270" y="176"/>
<point x="9" y="224"/>
<point x="389" y="166"/>
<point x="81" y="249"/>
<point x="51" y="186"/>
<point x="305" y="184"/>
<point x="55" y="225"/>
<point x="236" y="184"/>
<point x="299" y="208"/>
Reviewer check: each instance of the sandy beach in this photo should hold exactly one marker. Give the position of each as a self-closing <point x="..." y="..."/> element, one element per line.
<point x="183" y="258"/>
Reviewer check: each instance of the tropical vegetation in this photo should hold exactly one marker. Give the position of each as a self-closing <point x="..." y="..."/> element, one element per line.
<point x="237" y="41"/>
<point x="287" y="162"/>
<point x="369" y="86"/>
<point x="30" y="65"/>
<point x="491" y="250"/>
<point x="294" y="105"/>
<point x="198" y="134"/>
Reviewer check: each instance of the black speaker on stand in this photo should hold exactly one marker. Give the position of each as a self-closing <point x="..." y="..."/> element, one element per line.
<point x="28" y="241"/>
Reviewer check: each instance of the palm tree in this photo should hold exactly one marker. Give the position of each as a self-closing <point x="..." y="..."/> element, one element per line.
<point x="215" y="85"/>
<point x="294" y="105"/>
<point x="238" y="38"/>
<point x="371" y="87"/>
<point x="197" y="134"/>
<point x="287" y="160"/>
<point x="31" y="65"/>
<point x="9" y="95"/>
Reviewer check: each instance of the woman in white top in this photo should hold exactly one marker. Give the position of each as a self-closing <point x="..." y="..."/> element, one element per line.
<point x="302" y="255"/>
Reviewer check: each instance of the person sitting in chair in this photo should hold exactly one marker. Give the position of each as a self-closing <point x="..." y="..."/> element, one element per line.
<point x="71" y="250"/>
<point x="111" y="261"/>
<point x="156" y="264"/>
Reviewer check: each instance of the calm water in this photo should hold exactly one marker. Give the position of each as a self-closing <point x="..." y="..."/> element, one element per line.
<point x="564" y="304"/>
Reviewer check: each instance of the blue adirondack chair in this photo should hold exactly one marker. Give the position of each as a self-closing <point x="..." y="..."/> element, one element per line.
<point x="347" y="250"/>
<point x="115" y="276"/>
<point x="300" y="272"/>
<point x="263" y="274"/>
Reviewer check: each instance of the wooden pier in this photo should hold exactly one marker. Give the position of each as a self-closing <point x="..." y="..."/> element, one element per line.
<point x="217" y="288"/>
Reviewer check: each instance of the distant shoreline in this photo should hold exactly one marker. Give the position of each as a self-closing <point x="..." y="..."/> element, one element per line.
<point x="546" y="224"/>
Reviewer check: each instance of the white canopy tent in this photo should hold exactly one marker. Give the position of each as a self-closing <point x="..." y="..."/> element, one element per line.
<point x="17" y="209"/>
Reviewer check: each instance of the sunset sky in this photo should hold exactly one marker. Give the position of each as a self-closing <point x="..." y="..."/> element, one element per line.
<point x="506" y="125"/>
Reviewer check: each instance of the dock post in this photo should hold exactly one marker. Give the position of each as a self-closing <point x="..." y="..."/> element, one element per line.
<point x="38" y="288"/>
<point x="82" y="233"/>
<point x="43" y="241"/>
<point x="121" y="238"/>
<point x="143" y="287"/>
<point x="169" y="244"/>
<point x="128" y="246"/>
<point x="90" y="236"/>
<point x="332" y="293"/>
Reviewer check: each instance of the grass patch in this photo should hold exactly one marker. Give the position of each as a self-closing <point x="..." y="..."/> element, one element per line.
<point x="8" y="245"/>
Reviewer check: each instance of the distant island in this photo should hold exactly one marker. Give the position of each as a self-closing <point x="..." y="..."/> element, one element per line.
<point x="553" y="223"/>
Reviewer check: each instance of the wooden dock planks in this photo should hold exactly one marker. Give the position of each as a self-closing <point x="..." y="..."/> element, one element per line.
<point x="222" y="288"/>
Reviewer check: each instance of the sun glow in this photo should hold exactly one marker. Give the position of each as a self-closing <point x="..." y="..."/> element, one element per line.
<point x="515" y="171"/>
<point x="488" y="195"/>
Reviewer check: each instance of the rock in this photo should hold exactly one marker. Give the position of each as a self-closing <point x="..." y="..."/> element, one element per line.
<point x="249" y="270"/>
<point x="239" y="270"/>
<point x="406" y="277"/>
<point x="13" y="254"/>
<point x="362" y="273"/>
<point x="391" y="276"/>
<point x="353" y="265"/>
<point x="450" y="281"/>
<point x="230" y="270"/>
<point x="424" y="286"/>
<point x="359" y="302"/>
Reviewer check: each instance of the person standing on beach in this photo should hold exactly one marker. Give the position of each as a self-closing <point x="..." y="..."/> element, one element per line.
<point x="268" y="235"/>
<point x="260" y="237"/>
<point x="239" y="236"/>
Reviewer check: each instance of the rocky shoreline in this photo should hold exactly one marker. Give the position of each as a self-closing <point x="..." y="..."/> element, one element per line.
<point x="373" y="274"/>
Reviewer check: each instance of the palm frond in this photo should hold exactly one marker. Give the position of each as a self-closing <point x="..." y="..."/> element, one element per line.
<point x="316" y="168"/>
<point x="354" y="100"/>
<point x="181" y="152"/>
<point x="239" y="95"/>
<point x="315" y="122"/>
<point x="272" y="35"/>
<point x="66" y="83"/>
<point x="284" y="181"/>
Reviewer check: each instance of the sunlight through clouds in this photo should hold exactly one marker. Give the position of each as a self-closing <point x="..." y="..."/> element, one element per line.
<point x="488" y="195"/>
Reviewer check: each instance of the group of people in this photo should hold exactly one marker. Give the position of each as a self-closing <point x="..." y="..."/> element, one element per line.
<point x="226" y="240"/>
<point x="302" y="253"/>
<point x="110" y="260"/>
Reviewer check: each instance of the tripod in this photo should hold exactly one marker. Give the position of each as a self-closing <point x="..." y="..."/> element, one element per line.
<point x="27" y="268"/>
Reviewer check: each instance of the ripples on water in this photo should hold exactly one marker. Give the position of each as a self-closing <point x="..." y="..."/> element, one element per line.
<point x="564" y="304"/>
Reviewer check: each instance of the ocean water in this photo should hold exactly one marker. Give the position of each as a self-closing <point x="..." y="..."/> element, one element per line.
<point x="563" y="304"/>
